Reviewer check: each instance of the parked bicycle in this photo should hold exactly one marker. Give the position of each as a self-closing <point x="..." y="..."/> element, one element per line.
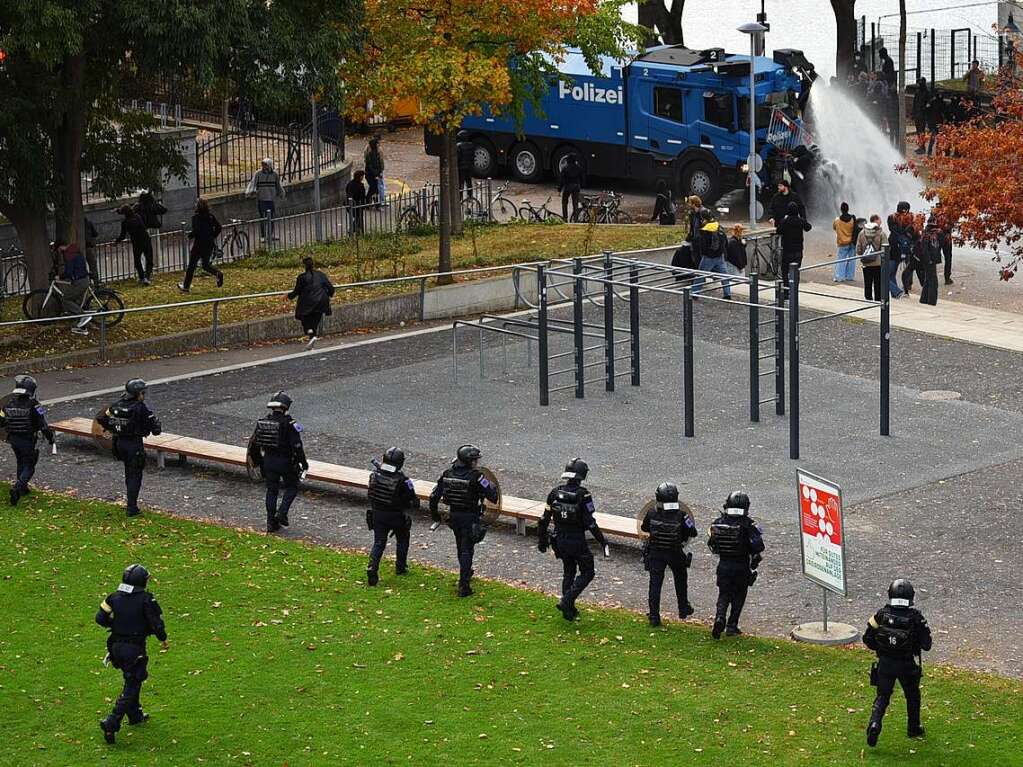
<point x="15" y="271"/>
<point x="49" y="302"/>
<point x="502" y="208"/>
<point x="419" y="214"/>
<point x="604" y="208"/>
<point x="234" y="243"/>
<point x="543" y="214"/>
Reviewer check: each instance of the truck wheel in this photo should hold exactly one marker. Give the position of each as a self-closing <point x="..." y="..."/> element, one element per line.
<point x="526" y="165"/>
<point x="483" y="161"/>
<point x="702" y="179"/>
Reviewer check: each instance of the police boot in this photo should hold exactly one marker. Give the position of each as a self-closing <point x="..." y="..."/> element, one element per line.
<point x="371" y="577"/>
<point x="567" y="609"/>
<point x="109" y="730"/>
<point x="464" y="590"/>
<point x="913" y="728"/>
<point x="140" y="718"/>
<point x="282" y="519"/>
<point x="655" y="620"/>
<point x="719" y="626"/>
<point x="686" y="611"/>
<point x="874" y="728"/>
<point x="15" y="495"/>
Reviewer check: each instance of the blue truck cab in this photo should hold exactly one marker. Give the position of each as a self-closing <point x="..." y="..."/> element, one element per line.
<point x="669" y="112"/>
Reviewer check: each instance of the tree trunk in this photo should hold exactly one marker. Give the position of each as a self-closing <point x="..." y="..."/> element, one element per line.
<point x="35" y="241"/>
<point x="845" y="24"/>
<point x="901" y="95"/>
<point x="225" y="129"/>
<point x="68" y="141"/>
<point x="444" y="211"/>
<point x="455" y="195"/>
<point x="664" y="20"/>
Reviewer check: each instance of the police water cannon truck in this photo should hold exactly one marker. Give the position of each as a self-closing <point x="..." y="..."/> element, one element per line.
<point x="668" y="113"/>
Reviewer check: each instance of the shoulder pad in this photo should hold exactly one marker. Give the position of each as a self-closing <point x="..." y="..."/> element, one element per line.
<point x="873" y="622"/>
<point x="297" y="425"/>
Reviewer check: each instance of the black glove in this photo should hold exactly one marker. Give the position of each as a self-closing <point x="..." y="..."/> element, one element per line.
<point x="369" y="518"/>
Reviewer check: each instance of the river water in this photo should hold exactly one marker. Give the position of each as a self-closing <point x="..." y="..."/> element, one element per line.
<point x="809" y="25"/>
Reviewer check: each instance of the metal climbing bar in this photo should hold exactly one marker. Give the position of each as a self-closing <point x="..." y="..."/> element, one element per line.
<point x="835" y="314"/>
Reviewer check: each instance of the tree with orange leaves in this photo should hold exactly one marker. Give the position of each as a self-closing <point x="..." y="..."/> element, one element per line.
<point x="977" y="177"/>
<point x="455" y="56"/>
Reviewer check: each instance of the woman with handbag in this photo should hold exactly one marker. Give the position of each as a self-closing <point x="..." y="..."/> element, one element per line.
<point x="313" y="289"/>
<point x="205" y="230"/>
<point x="871" y="247"/>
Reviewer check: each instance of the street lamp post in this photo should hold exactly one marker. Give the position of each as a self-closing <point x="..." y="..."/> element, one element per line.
<point x="756" y="31"/>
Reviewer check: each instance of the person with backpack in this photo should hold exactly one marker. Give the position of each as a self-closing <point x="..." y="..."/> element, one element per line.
<point x="152" y="211"/>
<point x="664" y="205"/>
<point x="871" y="247"/>
<point x="929" y="256"/>
<point x="791" y="230"/>
<point x="845" y="267"/>
<point x="712" y="249"/>
<point x="903" y="236"/>
<point x="133" y="227"/>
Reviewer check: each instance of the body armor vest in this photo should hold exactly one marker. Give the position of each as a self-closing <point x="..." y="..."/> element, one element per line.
<point x="383" y="490"/>
<point x="270" y="433"/>
<point x="458" y="494"/>
<point x="18" y="415"/>
<point x="730" y="540"/>
<point x="895" y="633"/>
<point x="567" y="508"/>
<point x="122" y="420"/>
<point x="666" y="531"/>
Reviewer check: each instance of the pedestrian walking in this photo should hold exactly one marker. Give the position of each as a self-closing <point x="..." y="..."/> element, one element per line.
<point x="713" y="246"/>
<point x="373" y="162"/>
<point x="356" y="198"/>
<point x="152" y="211"/>
<point x="670" y="526"/>
<point x="465" y="155"/>
<point x="570" y="184"/>
<point x="905" y="239"/>
<point x="313" y="289"/>
<point x="130" y="421"/>
<point x="204" y="233"/>
<point x="945" y="237"/>
<point x="791" y="230"/>
<point x="134" y="228"/>
<point x="695" y="219"/>
<point x="974" y="78"/>
<point x="845" y="268"/>
<point x="23" y="419"/>
<point x="735" y="252"/>
<point x="664" y="205"/>
<point x="935" y="119"/>
<point x="276" y="449"/>
<point x="266" y="186"/>
<point x="921" y="98"/>
<point x="91" y="237"/>
<point x="871" y="247"/>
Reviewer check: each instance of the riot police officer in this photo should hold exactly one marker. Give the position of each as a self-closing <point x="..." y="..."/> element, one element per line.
<point x="392" y="497"/>
<point x="670" y="526"/>
<point x="736" y="539"/>
<point x="463" y="488"/>
<point x="276" y="449"/>
<point x="131" y="421"/>
<point x="570" y="505"/>
<point x="23" y="418"/>
<point x="132" y="614"/>
<point x="899" y="634"/>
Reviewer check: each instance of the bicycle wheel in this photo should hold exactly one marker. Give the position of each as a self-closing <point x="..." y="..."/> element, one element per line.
<point x="549" y="216"/>
<point x="238" y="245"/>
<point x="35" y="306"/>
<point x="529" y="215"/>
<point x="108" y="301"/>
<point x="623" y="217"/>
<point x="503" y="210"/>
<point x="15" y="279"/>
<point x="409" y="219"/>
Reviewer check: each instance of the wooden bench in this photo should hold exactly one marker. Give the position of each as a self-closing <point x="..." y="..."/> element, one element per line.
<point x="522" y="510"/>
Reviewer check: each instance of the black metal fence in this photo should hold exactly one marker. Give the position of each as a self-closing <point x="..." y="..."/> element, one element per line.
<point x="413" y="211"/>
<point x="937" y="54"/>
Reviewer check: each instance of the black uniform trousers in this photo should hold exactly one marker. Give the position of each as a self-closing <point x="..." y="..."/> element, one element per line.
<point x="905" y="671"/>
<point x="131" y="452"/>
<point x="913" y="265"/>
<point x="733" y="583"/>
<point x="929" y="284"/>
<point x="383" y="523"/>
<point x="570" y="193"/>
<point x="278" y="474"/>
<point x="128" y="703"/>
<point x="787" y="259"/>
<point x="462" y="524"/>
<point x="144" y="260"/>
<point x="577" y="564"/>
<point x="25" y="456"/>
<point x="659" y="561"/>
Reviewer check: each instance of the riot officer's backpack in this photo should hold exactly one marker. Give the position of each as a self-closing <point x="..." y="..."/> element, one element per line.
<point x="270" y="433"/>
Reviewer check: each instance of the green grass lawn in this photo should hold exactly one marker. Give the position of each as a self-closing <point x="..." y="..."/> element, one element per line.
<point x="279" y="654"/>
<point x="369" y="258"/>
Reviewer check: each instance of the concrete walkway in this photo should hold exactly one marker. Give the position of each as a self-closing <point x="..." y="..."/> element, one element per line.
<point x="961" y="322"/>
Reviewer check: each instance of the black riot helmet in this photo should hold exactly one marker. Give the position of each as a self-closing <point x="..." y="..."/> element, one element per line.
<point x="25" y="384"/>
<point x="577" y="469"/>
<point x="737" y="503"/>
<point x="901" y="593"/>
<point x="394" y="456"/>
<point x="468" y="454"/>
<point x="135" y="387"/>
<point x="135" y="575"/>
<point x="667" y="492"/>
<point x="279" y="401"/>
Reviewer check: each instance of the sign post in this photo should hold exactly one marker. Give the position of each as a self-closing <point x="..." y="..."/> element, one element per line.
<point x="822" y="546"/>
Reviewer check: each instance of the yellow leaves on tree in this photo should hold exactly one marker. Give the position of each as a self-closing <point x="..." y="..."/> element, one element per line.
<point x="454" y="56"/>
<point x="977" y="175"/>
